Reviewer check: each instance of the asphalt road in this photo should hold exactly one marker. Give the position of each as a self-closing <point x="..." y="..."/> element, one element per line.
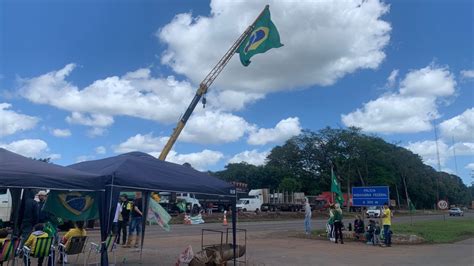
<point x="278" y="226"/>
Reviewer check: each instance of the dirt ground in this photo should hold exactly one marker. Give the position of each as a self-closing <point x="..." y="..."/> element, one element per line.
<point x="284" y="249"/>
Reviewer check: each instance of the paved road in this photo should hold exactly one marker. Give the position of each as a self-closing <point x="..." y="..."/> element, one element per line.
<point x="278" y="226"/>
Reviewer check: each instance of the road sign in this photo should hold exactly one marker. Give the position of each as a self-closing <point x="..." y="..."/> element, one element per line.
<point x="442" y="204"/>
<point x="370" y="196"/>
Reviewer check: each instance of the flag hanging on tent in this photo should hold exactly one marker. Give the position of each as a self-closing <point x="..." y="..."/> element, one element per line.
<point x="74" y="206"/>
<point x="159" y="215"/>
<point x="336" y="188"/>
<point x="264" y="37"/>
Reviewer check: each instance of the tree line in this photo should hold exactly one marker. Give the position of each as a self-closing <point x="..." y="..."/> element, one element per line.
<point x="303" y="163"/>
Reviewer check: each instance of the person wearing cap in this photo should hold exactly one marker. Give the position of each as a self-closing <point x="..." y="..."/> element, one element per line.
<point x="30" y="214"/>
<point x="43" y="216"/>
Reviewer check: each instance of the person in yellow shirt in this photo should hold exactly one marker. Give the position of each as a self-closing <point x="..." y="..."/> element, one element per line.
<point x="387" y="222"/>
<point x="78" y="230"/>
<point x="31" y="241"/>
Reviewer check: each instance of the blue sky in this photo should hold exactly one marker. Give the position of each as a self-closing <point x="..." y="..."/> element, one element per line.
<point x="89" y="79"/>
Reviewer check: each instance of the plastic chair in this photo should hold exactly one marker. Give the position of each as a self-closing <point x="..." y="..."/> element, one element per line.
<point x="109" y="245"/>
<point x="8" y="250"/>
<point x="43" y="248"/>
<point x="74" y="246"/>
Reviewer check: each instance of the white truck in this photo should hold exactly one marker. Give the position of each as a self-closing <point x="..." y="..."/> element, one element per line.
<point x="263" y="200"/>
<point x="5" y="206"/>
<point x="252" y="203"/>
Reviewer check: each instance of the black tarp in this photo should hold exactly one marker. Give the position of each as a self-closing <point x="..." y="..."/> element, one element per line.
<point x="139" y="171"/>
<point x="17" y="171"/>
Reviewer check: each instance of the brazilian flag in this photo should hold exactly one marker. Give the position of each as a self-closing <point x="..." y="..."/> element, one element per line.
<point x="73" y="205"/>
<point x="263" y="37"/>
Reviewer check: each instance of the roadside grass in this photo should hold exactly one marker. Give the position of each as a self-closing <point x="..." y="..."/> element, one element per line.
<point x="438" y="231"/>
<point x="434" y="232"/>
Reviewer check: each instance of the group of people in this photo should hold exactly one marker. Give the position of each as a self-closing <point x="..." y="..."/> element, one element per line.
<point x="335" y="225"/>
<point x="34" y="225"/>
<point x="128" y="213"/>
<point x="374" y="232"/>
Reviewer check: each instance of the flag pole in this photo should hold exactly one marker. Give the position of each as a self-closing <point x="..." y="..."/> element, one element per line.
<point x="332" y="175"/>
<point x="204" y="86"/>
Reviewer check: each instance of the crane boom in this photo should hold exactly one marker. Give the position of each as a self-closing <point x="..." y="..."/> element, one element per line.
<point x="203" y="87"/>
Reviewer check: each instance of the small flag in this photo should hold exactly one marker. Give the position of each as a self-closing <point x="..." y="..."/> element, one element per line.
<point x="74" y="206"/>
<point x="411" y="206"/>
<point x="264" y="37"/>
<point x="336" y="188"/>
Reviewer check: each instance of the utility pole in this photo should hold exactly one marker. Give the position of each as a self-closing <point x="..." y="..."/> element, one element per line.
<point x="204" y="86"/>
<point x="439" y="163"/>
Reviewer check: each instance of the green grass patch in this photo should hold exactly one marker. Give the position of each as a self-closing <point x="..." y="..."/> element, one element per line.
<point x="438" y="231"/>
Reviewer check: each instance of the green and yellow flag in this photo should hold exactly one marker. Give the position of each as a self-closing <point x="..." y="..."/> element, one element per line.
<point x="264" y="37"/>
<point x="336" y="188"/>
<point x="74" y="206"/>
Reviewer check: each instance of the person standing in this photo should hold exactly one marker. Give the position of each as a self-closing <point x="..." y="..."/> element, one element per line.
<point x="307" y="217"/>
<point x="331" y="222"/>
<point x="387" y="222"/>
<point x="43" y="216"/>
<point x="30" y="214"/>
<point x="123" y="218"/>
<point x="136" y="220"/>
<point x="338" y="223"/>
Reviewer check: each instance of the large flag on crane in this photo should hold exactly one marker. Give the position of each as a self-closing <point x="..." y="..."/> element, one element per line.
<point x="264" y="37"/>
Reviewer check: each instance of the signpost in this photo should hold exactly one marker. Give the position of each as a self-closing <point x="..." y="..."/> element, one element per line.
<point x="442" y="205"/>
<point x="370" y="196"/>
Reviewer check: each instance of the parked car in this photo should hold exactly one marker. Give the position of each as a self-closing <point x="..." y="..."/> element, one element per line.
<point x="373" y="211"/>
<point x="456" y="212"/>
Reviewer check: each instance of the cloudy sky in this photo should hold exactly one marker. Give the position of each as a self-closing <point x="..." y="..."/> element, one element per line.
<point x="82" y="80"/>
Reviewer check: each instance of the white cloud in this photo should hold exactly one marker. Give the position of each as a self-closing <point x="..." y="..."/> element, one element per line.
<point x="410" y="110"/>
<point x="460" y="127"/>
<point x="12" y="122"/>
<point x="430" y="81"/>
<point x="463" y="149"/>
<point x="34" y="148"/>
<point x="198" y="160"/>
<point x="83" y="158"/>
<point x="135" y="94"/>
<point x="427" y="150"/>
<point x="93" y="120"/>
<point x="467" y="74"/>
<point x="328" y="40"/>
<point x="61" y="133"/>
<point x="392" y="78"/>
<point x="251" y="157"/>
<point x="101" y="150"/>
<point x="470" y="166"/>
<point x="284" y="130"/>
<point x="143" y="143"/>
<point x="212" y="127"/>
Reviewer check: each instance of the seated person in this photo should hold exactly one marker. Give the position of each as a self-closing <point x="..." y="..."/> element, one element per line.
<point x="377" y="232"/>
<point x="77" y="230"/>
<point x="358" y="226"/>
<point x="31" y="241"/>
<point x="369" y="235"/>
<point x="3" y="236"/>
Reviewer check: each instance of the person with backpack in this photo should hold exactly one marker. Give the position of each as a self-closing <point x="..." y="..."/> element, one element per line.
<point x="136" y="221"/>
<point x="125" y="207"/>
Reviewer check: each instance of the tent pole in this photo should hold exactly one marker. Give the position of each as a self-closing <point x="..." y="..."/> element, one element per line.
<point x="234" y="225"/>
<point x="16" y="227"/>
<point x="145" y="204"/>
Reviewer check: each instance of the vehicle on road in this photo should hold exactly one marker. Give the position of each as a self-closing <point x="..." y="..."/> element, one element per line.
<point x="373" y="211"/>
<point x="263" y="200"/>
<point x="456" y="212"/>
<point x="5" y="205"/>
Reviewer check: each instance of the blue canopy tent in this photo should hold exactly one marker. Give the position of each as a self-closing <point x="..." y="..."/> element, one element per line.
<point x="142" y="172"/>
<point x="18" y="172"/>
